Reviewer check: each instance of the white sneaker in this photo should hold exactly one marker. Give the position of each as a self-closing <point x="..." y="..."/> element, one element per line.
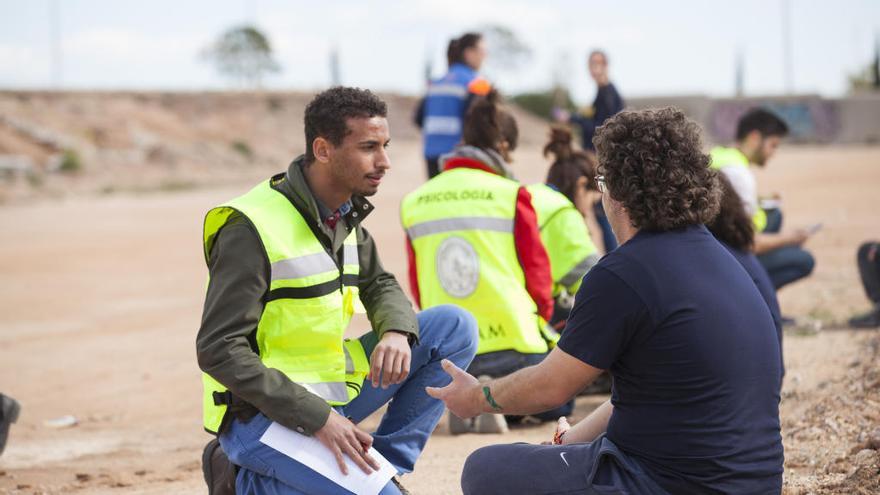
<point x="491" y="423"/>
<point x="457" y="425"/>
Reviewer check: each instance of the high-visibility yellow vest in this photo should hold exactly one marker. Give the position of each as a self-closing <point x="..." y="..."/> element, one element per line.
<point x="565" y="237"/>
<point x="732" y="157"/>
<point x="460" y="224"/>
<point x="308" y="307"/>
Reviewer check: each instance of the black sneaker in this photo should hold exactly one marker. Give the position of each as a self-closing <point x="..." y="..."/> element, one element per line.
<point x="218" y="470"/>
<point x="9" y="409"/>
<point x="871" y="319"/>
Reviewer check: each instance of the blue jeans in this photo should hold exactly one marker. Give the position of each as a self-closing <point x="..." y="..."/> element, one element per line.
<point x="502" y="363"/>
<point x="445" y="332"/>
<point x="594" y="468"/>
<point x="787" y="264"/>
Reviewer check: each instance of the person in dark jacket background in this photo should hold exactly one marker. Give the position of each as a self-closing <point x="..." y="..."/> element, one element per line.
<point x="607" y="103"/>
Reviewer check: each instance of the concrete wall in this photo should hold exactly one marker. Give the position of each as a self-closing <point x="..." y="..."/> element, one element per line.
<point x="811" y="118"/>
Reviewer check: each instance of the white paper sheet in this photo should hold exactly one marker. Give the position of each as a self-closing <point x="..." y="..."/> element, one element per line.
<point x="312" y="453"/>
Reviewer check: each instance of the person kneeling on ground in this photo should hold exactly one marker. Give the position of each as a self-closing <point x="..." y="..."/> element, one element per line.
<point x="664" y="313"/>
<point x="564" y="206"/>
<point x="758" y="133"/>
<point x="289" y="262"/>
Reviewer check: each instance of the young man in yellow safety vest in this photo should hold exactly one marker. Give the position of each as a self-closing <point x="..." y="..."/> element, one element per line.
<point x="758" y="134"/>
<point x="289" y="264"/>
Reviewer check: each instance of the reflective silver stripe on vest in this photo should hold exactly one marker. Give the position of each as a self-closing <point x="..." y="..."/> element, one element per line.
<point x="442" y="125"/>
<point x="461" y="223"/>
<point x="456" y="90"/>
<point x="302" y="266"/>
<point x="330" y="391"/>
<point x="349" y="362"/>
<point x="579" y="271"/>
<point x="349" y="255"/>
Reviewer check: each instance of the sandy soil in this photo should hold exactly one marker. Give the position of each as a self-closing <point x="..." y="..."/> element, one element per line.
<point x="100" y="297"/>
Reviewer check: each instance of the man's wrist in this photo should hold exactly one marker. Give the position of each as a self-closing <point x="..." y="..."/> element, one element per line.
<point x="478" y="399"/>
<point x="410" y="338"/>
<point x="494" y="406"/>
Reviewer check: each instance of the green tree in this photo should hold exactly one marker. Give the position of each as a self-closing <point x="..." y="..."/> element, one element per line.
<point x="868" y="78"/>
<point x="242" y="54"/>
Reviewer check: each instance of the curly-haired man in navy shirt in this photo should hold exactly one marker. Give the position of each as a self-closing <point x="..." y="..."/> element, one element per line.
<point x="678" y="323"/>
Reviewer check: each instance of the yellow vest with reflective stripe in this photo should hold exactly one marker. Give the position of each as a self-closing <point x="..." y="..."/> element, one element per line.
<point x="460" y="224"/>
<point x="308" y="306"/>
<point x="564" y="235"/>
<point x="732" y="157"/>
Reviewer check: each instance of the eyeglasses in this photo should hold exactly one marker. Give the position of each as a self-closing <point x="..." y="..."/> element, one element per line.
<point x="600" y="182"/>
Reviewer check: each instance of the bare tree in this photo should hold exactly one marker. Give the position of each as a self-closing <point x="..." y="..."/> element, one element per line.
<point x="243" y="54"/>
<point x="507" y="52"/>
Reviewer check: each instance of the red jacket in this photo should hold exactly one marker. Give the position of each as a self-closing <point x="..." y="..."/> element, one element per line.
<point x="529" y="249"/>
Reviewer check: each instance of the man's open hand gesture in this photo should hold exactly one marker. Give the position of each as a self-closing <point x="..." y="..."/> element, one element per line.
<point x="462" y="396"/>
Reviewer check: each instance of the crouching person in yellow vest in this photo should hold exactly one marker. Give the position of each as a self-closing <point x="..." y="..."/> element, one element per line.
<point x="780" y="251"/>
<point x="563" y="205"/>
<point x="473" y="241"/>
<point x="289" y="264"/>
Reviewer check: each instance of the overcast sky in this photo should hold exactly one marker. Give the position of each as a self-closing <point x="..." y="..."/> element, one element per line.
<point x="656" y="47"/>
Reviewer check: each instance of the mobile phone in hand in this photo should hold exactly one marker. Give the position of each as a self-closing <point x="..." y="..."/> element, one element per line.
<point x="816" y="227"/>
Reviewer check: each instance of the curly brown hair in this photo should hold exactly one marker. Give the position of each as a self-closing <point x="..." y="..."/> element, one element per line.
<point x="654" y="165"/>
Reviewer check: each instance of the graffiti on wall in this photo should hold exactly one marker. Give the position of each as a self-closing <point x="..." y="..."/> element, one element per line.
<point x="808" y="119"/>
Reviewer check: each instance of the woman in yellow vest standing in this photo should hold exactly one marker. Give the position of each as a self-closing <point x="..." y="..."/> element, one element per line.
<point x="563" y="203"/>
<point x="474" y="242"/>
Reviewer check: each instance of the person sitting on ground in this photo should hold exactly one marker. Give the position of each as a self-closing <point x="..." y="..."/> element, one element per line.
<point x="9" y="409"/>
<point x="473" y="241"/>
<point x="868" y="259"/>
<point x="736" y="232"/>
<point x="562" y="204"/>
<point x="677" y="321"/>
<point x="781" y="252"/>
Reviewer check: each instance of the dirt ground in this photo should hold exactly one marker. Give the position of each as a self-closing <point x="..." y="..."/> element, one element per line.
<point x="101" y="294"/>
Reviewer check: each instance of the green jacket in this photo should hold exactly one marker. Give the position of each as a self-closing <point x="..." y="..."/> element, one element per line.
<point x="239" y="280"/>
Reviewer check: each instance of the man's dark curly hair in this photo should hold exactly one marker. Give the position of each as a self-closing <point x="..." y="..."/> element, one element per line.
<point x="327" y="113"/>
<point x="654" y="165"/>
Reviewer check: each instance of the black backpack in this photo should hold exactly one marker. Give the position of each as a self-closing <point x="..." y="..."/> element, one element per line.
<point x="218" y="470"/>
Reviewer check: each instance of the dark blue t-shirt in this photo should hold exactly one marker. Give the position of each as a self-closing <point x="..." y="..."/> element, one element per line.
<point x="693" y="353"/>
